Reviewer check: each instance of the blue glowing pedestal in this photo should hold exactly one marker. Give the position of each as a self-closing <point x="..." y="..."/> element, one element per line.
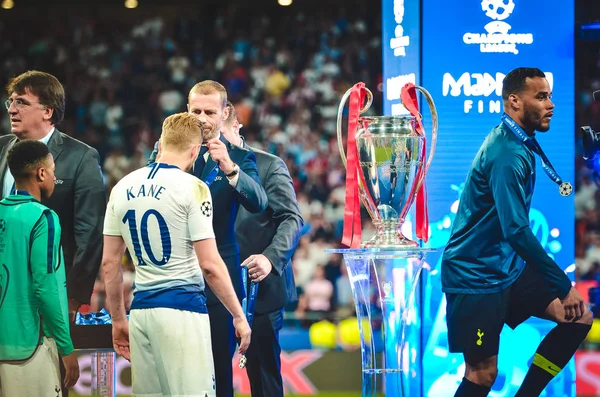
<point x="386" y="290"/>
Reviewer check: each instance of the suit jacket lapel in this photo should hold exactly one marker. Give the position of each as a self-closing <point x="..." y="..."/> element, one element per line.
<point x="3" y="164"/>
<point x="55" y="144"/>
<point x="210" y="165"/>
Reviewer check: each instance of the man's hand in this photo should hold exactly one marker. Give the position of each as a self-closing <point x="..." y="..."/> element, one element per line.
<point x="574" y="305"/>
<point x="74" y="305"/>
<point x="71" y="370"/>
<point x="120" y="334"/>
<point x="242" y="331"/>
<point x="259" y="267"/>
<point x="219" y="154"/>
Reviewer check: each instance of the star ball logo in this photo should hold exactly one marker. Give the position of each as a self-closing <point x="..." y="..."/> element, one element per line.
<point x="206" y="208"/>
<point x="497" y="38"/>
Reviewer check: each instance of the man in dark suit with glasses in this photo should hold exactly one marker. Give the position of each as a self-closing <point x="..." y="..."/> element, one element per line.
<point x="35" y="105"/>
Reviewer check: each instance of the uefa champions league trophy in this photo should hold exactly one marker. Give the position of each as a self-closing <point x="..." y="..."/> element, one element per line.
<point x="390" y="165"/>
<point x="386" y="165"/>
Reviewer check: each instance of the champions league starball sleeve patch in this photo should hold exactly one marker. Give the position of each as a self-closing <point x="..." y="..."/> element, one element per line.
<point x="203" y="198"/>
<point x="206" y="208"/>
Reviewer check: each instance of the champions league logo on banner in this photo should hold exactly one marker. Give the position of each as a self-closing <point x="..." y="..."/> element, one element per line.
<point x="498" y="38"/>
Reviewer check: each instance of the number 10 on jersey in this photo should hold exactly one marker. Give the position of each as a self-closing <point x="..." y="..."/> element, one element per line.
<point x="165" y="237"/>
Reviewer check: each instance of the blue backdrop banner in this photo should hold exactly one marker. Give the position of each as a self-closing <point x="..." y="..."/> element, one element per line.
<point x="467" y="49"/>
<point x="401" y="25"/>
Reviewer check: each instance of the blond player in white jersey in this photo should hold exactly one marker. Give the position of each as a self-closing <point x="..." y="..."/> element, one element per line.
<point x="163" y="215"/>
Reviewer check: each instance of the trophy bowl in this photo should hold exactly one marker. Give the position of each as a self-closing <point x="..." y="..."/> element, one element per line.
<point x="391" y="169"/>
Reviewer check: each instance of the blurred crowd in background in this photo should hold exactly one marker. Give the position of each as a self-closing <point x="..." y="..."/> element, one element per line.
<point x="285" y="70"/>
<point x="587" y="196"/>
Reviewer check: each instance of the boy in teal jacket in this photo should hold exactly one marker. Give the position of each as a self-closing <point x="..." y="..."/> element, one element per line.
<point x="34" y="324"/>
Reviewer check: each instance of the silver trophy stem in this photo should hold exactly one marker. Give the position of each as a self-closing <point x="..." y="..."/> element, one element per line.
<point x="103" y="373"/>
<point x="389" y="235"/>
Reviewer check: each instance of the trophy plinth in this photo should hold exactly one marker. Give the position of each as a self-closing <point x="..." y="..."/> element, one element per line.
<point x="389" y="302"/>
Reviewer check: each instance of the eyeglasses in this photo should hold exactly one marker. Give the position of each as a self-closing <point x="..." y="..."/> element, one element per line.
<point x="19" y="103"/>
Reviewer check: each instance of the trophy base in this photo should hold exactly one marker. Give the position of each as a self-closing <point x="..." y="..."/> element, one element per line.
<point x="388" y="235"/>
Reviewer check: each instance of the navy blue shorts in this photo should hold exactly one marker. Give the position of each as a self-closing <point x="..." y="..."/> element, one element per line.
<point x="476" y="321"/>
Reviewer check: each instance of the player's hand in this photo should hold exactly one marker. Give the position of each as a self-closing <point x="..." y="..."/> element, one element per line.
<point x="120" y="334"/>
<point x="242" y="331"/>
<point x="259" y="267"/>
<point x="71" y="369"/>
<point x="574" y="305"/>
<point x="218" y="152"/>
<point x="74" y="305"/>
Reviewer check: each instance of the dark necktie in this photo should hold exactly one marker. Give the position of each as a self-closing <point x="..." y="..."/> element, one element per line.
<point x="200" y="163"/>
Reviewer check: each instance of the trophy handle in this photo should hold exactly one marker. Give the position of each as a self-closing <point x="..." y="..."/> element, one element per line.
<point x="434" y="131"/>
<point x="339" y="119"/>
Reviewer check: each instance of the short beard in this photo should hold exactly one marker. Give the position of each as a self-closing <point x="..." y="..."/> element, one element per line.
<point x="531" y="123"/>
<point x="208" y="135"/>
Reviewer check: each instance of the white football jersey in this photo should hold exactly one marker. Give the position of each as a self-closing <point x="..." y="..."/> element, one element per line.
<point x="159" y="211"/>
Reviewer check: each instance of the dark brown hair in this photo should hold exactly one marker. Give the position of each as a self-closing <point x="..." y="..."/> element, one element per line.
<point x="43" y="85"/>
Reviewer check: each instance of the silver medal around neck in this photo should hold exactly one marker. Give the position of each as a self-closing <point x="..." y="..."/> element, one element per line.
<point x="565" y="189"/>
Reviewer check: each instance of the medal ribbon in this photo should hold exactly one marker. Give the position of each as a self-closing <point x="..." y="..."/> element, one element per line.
<point x="534" y="145"/>
<point x="249" y="300"/>
<point x="248" y="304"/>
<point x="210" y="178"/>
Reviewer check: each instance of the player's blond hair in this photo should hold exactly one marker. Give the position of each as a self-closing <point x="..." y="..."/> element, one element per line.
<point x="208" y="87"/>
<point x="180" y="131"/>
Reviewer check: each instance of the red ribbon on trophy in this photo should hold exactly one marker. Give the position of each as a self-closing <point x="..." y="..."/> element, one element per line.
<point x="352" y="234"/>
<point x="408" y="96"/>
